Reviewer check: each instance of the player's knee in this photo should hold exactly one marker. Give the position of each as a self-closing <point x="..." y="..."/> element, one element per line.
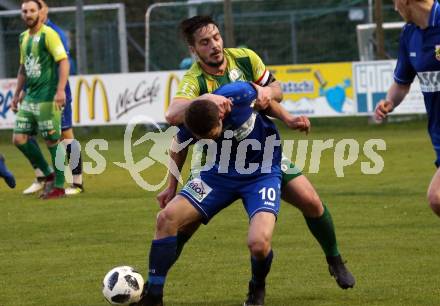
<point x="18" y="140"/>
<point x="165" y="221"/>
<point x="259" y="247"/>
<point x="434" y="200"/>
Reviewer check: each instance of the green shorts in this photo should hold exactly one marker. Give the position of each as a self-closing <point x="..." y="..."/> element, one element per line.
<point x="290" y="171"/>
<point x="42" y="117"/>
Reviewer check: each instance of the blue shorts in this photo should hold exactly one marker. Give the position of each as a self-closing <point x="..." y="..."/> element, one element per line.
<point x="210" y="193"/>
<point x="66" y="116"/>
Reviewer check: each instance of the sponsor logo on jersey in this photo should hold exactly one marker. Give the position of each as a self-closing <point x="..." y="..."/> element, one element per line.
<point x="197" y="189"/>
<point x="413" y="54"/>
<point x="235" y="74"/>
<point x="32" y="66"/>
<point x="429" y="81"/>
<point x="437" y="52"/>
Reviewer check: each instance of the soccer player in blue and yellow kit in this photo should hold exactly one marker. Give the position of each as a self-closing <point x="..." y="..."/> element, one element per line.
<point x="44" y="67"/>
<point x="238" y="172"/>
<point x="66" y="124"/>
<point x="419" y="54"/>
<point x="217" y="66"/>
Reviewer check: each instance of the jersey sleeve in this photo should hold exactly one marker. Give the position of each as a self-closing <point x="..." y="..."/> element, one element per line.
<point x="260" y="74"/>
<point x="184" y="135"/>
<point x="188" y="88"/>
<point x="61" y="34"/>
<point x="240" y="93"/>
<point x="20" y="43"/>
<point x="404" y="72"/>
<point x="55" y="46"/>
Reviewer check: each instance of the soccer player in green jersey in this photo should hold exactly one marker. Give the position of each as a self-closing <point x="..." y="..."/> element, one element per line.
<point x="44" y="67"/>
<point x="217" y="66"/>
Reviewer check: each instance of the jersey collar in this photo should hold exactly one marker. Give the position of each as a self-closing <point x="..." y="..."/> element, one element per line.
<point x="435" y="15"/>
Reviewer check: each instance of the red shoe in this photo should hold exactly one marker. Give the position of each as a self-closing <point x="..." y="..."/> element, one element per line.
<point x="49" y="181"/>
<point x="55" y="193"/>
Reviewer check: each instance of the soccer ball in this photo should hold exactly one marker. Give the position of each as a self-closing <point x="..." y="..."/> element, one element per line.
<point x="122" y="285"/>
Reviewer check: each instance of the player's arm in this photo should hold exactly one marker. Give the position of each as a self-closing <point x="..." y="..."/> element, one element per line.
<point x="177" y="158"/>
<point x="63" y="75"/>
<point x="276" y="110"/>
<point x="21" y="79"/>
<point x="59" y="54"/>
<point x="395" y="96"/>
<point x="404" y="74"/>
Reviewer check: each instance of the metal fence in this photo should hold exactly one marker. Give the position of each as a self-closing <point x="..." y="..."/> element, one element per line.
<point x="281" y="32"/>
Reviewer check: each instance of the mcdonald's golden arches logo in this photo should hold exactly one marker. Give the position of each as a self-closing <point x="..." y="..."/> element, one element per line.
<point x="90" y="94"/>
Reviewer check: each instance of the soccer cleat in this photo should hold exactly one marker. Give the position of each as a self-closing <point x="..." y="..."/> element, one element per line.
<point x="49" y="182"/>
<point x="6" y="174"/>
<point x="256" y="294"/>
<point x="54" y="193"/>
<point x="75" y="189"/>
<point x="149" y="299"/>
<point x="36" y="186"/>
<point x="337" y="269"/>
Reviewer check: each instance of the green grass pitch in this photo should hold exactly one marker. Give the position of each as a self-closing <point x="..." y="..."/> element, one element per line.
<point x="57" y="252"/>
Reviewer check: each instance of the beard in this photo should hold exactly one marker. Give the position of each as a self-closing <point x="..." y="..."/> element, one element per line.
<point x="210" y="63"/>
<point x="32" y="23"/>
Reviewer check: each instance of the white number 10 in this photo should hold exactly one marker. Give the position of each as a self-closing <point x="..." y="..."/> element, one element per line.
<point x="271" y="193"/>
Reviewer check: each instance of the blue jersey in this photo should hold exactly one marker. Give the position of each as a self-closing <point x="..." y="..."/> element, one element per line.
<point x="243" y="126"/>
<point x="419" y="55"/>
<point x="63" y="38"/>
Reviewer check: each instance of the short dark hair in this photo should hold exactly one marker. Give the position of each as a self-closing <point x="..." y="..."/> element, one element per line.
<point x="191" y="25"/>
<point x="36" y="1"/>
<point x="201" y="117"/>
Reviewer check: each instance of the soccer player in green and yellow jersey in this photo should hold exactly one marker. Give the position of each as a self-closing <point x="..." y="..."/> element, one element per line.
<point x="216" y="66"/>
<point x="44" y="67"/>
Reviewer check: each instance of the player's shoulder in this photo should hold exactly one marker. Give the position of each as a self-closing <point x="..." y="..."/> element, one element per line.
<point x="194" y="71"/>
<point x="54" y="27"/>
<point x="23" y="35"/>
<point x="48" y="30"/>
<point x="239" y="52"/>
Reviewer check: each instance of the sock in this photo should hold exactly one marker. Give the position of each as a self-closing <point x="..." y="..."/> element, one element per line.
<point x="35" y="156"/>
<point x="162" y="257"/>
<point x="324" y="231"/>
<point x="260" y="268"/>
<point x="59" y="173"/>
<point x="38" y="172"/>
<point x="75" y="164"/>
<point x="182" y="239"/>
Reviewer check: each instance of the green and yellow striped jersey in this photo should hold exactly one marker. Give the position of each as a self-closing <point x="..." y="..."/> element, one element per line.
<point x="40" y="53"/>
<point x="242" y="65"/>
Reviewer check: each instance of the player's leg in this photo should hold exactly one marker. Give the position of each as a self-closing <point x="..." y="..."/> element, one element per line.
<point x="298" y="191"/>
<point x="49" y="124"/>
<point x="5" y="173"/>
<point x="72" y="145"/>
<point x="434" y="193"/>
<point x="184" y="234"/>
<point x="261" y="199"/>
<point x="198" y="201"/>
<point x="163" y="248"/>
<point x="38" y="183"/>
<point x="25" y="125"/>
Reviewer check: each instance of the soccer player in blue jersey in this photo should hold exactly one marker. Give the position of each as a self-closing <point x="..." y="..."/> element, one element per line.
<point x="66" y="124"/>
<point x="419" y="54"/>
<point x="217" y="66"/>
<point x="246" y="157"/>
<point x="5" y="173"/>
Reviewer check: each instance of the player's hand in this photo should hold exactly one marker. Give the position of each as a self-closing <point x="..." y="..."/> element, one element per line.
<point x="224" y="104"/>
<point x="383" y="108"/>
<point x="166" y="196"/>
<point x="14" y="103"/>
<point x="264" y="97"/>
<point x="301" y="123"/>
<point x="60" y="99"/>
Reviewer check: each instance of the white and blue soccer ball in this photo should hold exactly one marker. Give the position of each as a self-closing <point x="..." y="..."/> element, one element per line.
<point x="122" y="285"/>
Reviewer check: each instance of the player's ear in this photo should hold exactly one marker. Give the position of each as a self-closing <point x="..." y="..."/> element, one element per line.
<point x="192" y="50"/>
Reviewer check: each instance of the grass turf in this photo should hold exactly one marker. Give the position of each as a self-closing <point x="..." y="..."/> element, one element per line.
<point x="57" y="252"/>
